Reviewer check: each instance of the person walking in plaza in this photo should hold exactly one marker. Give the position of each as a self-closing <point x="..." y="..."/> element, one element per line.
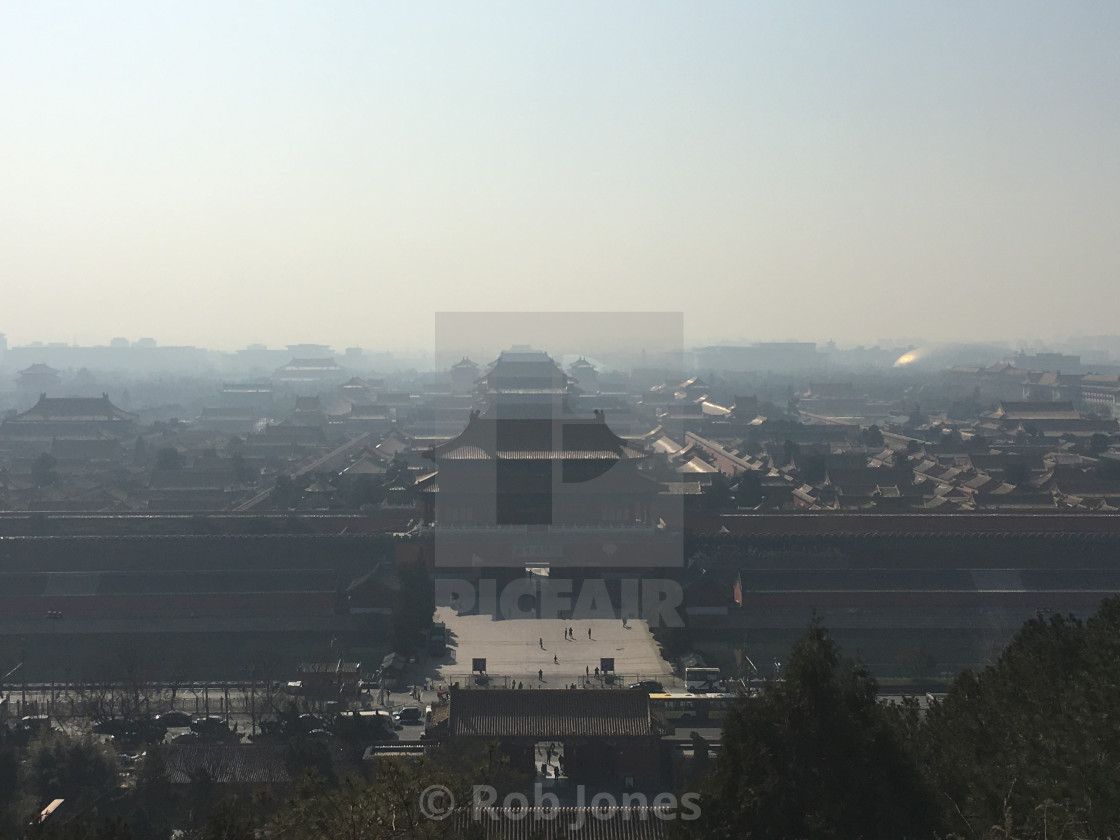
<point x="540" y="674"/>
<point x="555" y="659"/>
<point x="541" y="643"/>
<point x="589" y="632"/>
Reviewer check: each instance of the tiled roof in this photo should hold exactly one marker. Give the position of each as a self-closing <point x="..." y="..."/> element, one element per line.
<point x="548" y="713"/>
<point x="696" y="466"/>
<point x="226" y="764"/>
<point x="536" y="439"/>
<point x="1035" y="411"/>
<point x="632" y="823"/>
<point x="311" y="365"/>
<point x="98" y="409"/>
<point x="364" y="466"/>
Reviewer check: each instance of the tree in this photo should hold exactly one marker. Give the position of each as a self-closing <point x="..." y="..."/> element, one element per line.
<point x="1108" y="469"/>
<point x="169" y="458"/>
<point x="389" y="805"/>
<point x="718" y="495"/>
<point x="150" y="817"/>
<point x="814" y="756"/>
<point x="871" y="436"/>
<point x="1017" y="473"/>
<point x="978" y="443"/>
<point x="364" y="490"/>
<point x="9" y="775"/>
<point x="242" y="472"/>
<point x="791" y="450"/>
<point x="285" y="494"/>
<point x="814" y="469"/>
<point x="748" y="492"/>
<point x="43" y="470"/>
<point x="398" y="472"/>
<point x="415" y="607"/>
<point x="1035" y="729"/>
<point x="701" y="757"/>
<point x="62" y="766"/>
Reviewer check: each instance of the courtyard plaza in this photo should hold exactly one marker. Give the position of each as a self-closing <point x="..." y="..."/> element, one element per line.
<point x="538" y="653"/>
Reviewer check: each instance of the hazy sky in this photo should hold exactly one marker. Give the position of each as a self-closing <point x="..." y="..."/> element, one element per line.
<point x="226" y="173"/>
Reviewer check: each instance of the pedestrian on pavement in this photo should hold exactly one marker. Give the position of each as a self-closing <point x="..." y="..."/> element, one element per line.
<point x="587" y="670"/>
<point x="541" y="643"/>
<point x="540" y="674"/>
<point x="519" y="684"/>
<point x="589" y="632"/>
<point x="571" y="633"/>
<point x="596" y="672"/>
<point x="555" y="659"/>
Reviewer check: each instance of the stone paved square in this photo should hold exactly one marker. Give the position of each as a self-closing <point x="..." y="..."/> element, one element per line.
<point x="512" y="649"/>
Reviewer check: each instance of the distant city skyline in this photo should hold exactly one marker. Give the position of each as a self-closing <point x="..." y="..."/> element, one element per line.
<point x="489" y="346"/>
<point x="227" y="174"/>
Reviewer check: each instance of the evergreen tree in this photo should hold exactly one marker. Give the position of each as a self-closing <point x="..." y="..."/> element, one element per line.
<point x="1033" y="738"/>
<point x="813" y="756"/>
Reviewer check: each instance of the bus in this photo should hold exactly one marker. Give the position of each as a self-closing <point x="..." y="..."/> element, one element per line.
<point x="684" y="708"/>
<point x="702" y="679"/>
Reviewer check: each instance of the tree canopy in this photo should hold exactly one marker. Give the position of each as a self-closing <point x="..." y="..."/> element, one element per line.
<point x="814" y="756"/>
<point x="1035" y="735"/>
<point x="1029" y="748"/>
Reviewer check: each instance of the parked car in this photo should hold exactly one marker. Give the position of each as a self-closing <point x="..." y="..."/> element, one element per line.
<point x="408" y="715"/>
<point x="36" y="723"/>
<point x="211" y="726"/>
<point x="140" y="730"/>
<point x="309" y="723"/>
<point x="649" y="686"/>
<point x="174" y="719"/>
